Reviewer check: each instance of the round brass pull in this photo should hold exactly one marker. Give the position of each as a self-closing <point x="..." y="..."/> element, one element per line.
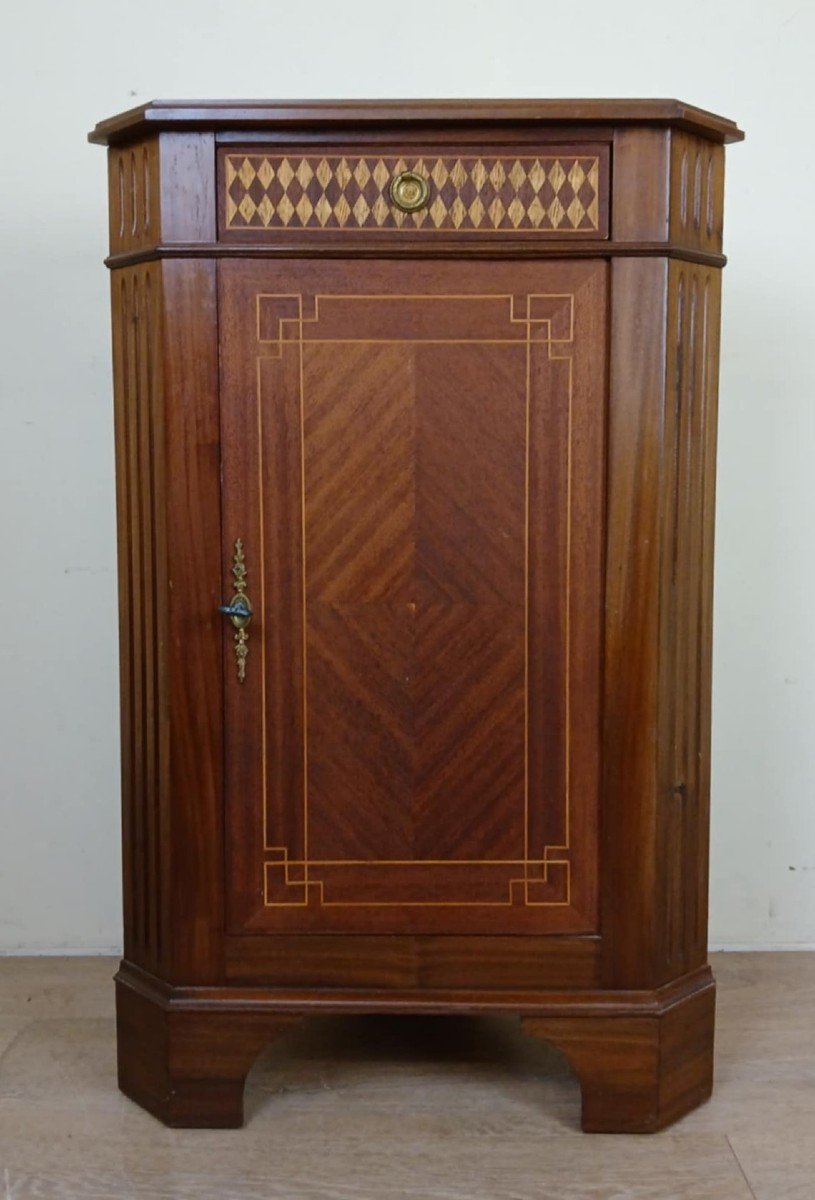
<point x="409" y="191"/>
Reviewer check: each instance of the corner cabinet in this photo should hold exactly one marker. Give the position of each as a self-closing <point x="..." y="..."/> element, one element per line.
<point x="415" y="435"/>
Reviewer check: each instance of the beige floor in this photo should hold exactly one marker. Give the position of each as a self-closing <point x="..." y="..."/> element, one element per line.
<point x="442" y="1109"/>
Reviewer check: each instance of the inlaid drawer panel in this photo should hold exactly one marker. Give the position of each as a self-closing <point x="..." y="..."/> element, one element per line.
<point x="560" y="192"/>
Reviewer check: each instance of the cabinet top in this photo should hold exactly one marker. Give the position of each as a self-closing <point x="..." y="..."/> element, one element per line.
<point x="224" y="115"/>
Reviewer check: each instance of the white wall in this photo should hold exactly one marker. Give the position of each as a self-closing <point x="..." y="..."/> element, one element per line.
<point x="65" y="65"/>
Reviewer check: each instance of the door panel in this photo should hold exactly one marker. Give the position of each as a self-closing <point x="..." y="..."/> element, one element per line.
<point x="413" y="461"/>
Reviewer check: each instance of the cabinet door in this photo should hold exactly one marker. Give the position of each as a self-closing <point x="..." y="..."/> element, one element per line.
<point x="413" y="466"/>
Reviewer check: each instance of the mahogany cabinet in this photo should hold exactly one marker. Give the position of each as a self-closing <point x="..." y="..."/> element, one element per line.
<point x="424" y="396"/>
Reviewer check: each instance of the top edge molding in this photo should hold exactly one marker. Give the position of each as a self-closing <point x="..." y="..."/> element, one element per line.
<point x="218" y="115"/>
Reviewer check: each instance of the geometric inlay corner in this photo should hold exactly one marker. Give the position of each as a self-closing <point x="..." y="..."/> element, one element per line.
<point x="545" y="320"/>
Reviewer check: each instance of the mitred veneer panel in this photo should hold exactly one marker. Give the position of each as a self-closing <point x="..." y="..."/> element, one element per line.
<point x="413" y="449"/>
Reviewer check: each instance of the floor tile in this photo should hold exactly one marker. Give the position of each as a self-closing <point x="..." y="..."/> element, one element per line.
<point x="49" y="987"/>
<point x="780" y="1166"/>
<point x="337" y="1157"/>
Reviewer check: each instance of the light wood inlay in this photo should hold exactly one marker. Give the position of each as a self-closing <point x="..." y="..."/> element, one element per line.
<point x="555" y="193"/>
<point x="436" y="778"/>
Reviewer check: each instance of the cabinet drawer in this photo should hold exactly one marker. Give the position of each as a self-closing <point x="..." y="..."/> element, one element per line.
<point x="561" y="191"/>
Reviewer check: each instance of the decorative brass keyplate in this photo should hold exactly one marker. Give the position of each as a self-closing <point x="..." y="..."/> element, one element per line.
<point x="409" y="191"/>
<point x="239" y="610"/>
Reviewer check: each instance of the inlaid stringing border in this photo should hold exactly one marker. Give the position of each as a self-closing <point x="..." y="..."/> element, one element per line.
<point x="296" y="871"/>
<point x="468" y="193"/>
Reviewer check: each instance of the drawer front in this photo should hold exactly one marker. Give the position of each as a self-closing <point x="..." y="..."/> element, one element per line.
<point x="562" y="192"/>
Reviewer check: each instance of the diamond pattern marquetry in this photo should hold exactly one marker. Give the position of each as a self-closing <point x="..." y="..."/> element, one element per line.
<point x="544" y="193"/>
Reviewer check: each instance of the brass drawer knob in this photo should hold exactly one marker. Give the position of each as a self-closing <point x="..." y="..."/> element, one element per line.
<point x="409" y="191"/>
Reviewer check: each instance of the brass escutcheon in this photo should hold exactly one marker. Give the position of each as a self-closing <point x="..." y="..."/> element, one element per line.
<point x="409" y="191"/>
<point x="239" y="610"/>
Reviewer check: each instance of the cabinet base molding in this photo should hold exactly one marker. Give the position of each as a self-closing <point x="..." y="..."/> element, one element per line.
<point x="637" y="1074"/>
<point x="188" y="1067"/>
<point x="643" y="1058"/>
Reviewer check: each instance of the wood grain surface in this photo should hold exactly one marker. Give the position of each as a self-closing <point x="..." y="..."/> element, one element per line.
<point x="344" y="114"/>
<point x="426" y="569"/>
<point x="470" y="480"/>
<point x="167" y="447"/>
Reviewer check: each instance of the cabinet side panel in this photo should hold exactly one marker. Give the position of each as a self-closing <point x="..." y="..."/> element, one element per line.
<point x="635" y="450"/>
<point x="195" y="685"/>
<point x="710" y="359"/>
<point x="139" y="400"/>
<point x="685" y="618"/>
<point x="161" y="189"/>
<point x="662" y="445"/>
<point x="697" y="192"/>
<point x="133" y="196"/>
